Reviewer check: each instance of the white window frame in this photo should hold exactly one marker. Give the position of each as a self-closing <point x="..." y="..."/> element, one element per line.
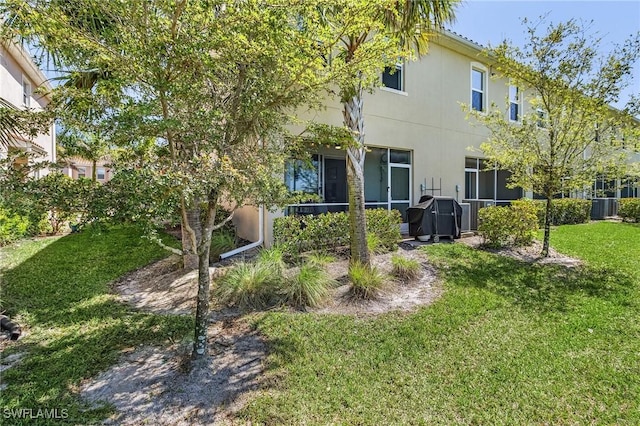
<point x="84" y="172"/>
<point x="104" y="173"/>
<point x="26" y="92"/>
<point x="476" y="66"/>
<point x="517" y="102"/>
<point x="399" y="69"/>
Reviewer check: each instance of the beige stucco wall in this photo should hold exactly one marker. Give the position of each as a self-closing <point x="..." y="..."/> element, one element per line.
<point x="427" y="118"/>
<point x="245" y="219"/>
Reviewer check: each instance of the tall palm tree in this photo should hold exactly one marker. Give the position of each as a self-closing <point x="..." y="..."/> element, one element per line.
<point x="405" y="25"/>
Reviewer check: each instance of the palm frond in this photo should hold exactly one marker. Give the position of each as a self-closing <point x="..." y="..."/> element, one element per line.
<point x="10" y="124"/>
<point x="416" y="20"/>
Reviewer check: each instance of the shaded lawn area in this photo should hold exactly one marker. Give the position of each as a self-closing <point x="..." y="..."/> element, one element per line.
<point x="57" y="288"/>
<point x="508" y="343"/>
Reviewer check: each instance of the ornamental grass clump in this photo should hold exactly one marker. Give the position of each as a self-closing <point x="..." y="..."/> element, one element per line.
<point x="405" y="269"/>
<point x="267" y="282"/>
<point x="221" y="242"/>
<point x="248" y="285"/>
<point x="366" y="283"/>
<point x="309" y="286"/>
<point x="320" y="259"/>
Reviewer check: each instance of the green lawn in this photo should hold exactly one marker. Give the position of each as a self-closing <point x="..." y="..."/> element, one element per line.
<point x="58" y="290"/>
<point x="508" y="343"/>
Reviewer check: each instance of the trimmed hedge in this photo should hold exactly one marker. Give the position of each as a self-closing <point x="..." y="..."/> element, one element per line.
<point x="565" y="211"/>
<point x="328" y="231"/>
<point x="513" y="225"/>
<point x="629" y="209"/>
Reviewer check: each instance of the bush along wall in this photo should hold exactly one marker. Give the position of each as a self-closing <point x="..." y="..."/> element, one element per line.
<point x="328" y="231"/>
<point x="565" y="211"/>
<point x="513" y="225"/>
<point x="629" y="209"/>
<point x="12" y="227"/>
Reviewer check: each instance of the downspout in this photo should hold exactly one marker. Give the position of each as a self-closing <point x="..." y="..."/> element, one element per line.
<point x="252" y="245"/>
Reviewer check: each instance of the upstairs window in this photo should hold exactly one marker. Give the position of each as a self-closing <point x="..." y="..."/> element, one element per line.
<point x="26" y="92"/>
<point x="100" y="174"/>
<point x="478" y="89"/>
<point x="514" y="103"/>
<point x="392" y="77"/>
<point x="82" y="172"/>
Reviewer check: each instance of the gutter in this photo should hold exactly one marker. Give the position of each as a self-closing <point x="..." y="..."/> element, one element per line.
<point x="252" y="245"/>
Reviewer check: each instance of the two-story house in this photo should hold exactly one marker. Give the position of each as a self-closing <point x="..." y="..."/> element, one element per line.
<point x="23" y="85"/>
<point x="418" y="137"/>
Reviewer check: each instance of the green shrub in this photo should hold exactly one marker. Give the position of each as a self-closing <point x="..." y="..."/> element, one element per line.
<point x="493" y="226"/>
<point x="565" y="211"/>
<point x="297" y="234"/>
<point x="629" y="209"/>
<point x="524" y="222"/>
<point x="308" y="287"/>
<point x="386" y="225"/>
<point x="365" y="283"/>
<point x="513" y="225"/>
<point x="405" y="269"/>
<point x="374" y="243"/>
<point x="12" y="227"/>
<point x="328" y="231"/>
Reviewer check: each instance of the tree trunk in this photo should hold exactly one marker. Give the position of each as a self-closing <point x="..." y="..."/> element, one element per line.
<point x="94" y="171"/>
<point x="202" y="306"/>
<point x="547" y="228"/>
<point x="354" y="120"/>
<point x="204" y="281"/>
<point x="190" y="223"/>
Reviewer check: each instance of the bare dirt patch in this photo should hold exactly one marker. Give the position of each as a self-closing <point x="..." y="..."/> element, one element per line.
<point x="152" y="384"/>
<point x="396" y="296"/>
<point x="160" y="287"/>
<point x="529" y="254"/>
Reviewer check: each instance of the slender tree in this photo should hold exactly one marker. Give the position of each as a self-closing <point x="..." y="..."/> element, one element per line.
<point x="569" y="132"/>
<point x="388" y="32"/>
<point x="213" y="82"/>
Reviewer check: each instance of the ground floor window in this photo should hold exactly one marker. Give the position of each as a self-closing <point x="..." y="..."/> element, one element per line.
<point x="630" y="187"/>
<point x="387" y="181"/>
<point x="485" y="182"/>
<point x="603" y="187"/>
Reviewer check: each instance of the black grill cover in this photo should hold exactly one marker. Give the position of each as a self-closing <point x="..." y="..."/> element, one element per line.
<point x="435" y="216"/>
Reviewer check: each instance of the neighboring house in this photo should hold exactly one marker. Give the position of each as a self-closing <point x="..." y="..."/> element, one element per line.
<point x="419" y="141"/>
<point x="78" y="167"/>
<point x="25" y="86"/>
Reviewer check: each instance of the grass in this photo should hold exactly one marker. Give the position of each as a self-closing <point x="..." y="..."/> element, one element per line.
<point x="366" y="283"/>
<point x="266" y="282"/>
<point x="249" y="285"/>
<point x="309" y="286"/>
<point x="508" y="343"/>
<point x="405" y="269"/>
<point x="58" y="289"/>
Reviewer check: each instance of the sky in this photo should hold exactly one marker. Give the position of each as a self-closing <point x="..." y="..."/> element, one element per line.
<point x="491" y="21"/>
